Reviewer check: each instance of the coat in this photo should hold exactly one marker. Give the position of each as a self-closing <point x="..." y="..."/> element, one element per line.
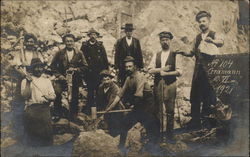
<point x="122" y="50"/>
<point x="96" y="58"/>
<point x="60" y="63"/>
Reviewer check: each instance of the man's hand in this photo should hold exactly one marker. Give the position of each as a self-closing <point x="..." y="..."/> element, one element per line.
<point x="209" y="40"/>
<point x="162" y="73"/>
<point x="166" y="68"/>
<point x="28" y="77"/>
<point x="61" y="77"/>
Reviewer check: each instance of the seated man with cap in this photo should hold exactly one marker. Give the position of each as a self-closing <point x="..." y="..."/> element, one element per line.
<point x="206" y="42"/>
<point x="163" y="66"/>
<point x="137" y="92"/>
<point x="38" y="93"/>
<point x="106" y="93"/>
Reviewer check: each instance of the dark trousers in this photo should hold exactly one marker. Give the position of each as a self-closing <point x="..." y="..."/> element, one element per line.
<point x="165" y="98"/>
<point x="59" y="87"/>
<point x="37" y="124"/>
<point x="147" y="120"/>
<point x="92" y="87"/>
<point x="202" y="95"/>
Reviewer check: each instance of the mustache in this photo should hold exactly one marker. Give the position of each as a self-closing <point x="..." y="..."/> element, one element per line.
<point x="202" y="26"/>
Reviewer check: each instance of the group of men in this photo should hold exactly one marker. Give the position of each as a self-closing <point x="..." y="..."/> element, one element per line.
<point x="154" y="109"/>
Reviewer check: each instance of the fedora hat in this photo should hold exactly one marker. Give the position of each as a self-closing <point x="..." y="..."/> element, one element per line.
<point x="128" y="26"/>
<point x="92" y="30"/>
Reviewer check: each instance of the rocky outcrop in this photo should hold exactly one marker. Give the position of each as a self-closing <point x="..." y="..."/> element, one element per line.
<point x="95" y="144"/>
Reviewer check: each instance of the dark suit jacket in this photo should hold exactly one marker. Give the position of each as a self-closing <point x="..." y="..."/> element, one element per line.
<point x="121" y="51"/>
<point x="60" y="62"/>
<point x="96" y="58"/>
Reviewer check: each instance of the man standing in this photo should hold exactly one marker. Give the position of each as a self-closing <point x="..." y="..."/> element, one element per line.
<point x="97" y="60"/>
<point x="68" y="61"/>
<point x="163" y="66"/>
<point x="206" y="42"/>
<point x="127" y="46"/>
<point x="30" y="51"/>
<point x="137" y="92"/>
<point x="38" y="93"/>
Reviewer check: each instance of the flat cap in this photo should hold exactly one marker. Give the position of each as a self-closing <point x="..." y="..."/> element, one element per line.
<point x="166" y="34"/>
<point x="106" y="73"/>
<point x="202" y="14"/>
<point x="129" y="59"/>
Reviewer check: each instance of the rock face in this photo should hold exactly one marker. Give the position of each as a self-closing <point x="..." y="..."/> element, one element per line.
<point x="95" y="144"/>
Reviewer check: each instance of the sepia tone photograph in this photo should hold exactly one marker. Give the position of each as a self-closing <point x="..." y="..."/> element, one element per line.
<point x="124" y="78"/>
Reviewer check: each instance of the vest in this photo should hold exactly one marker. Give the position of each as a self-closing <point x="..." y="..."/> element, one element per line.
<point x="211" y="34"/>
<point x="170" y="61"/>
<point x="196" y="47"/>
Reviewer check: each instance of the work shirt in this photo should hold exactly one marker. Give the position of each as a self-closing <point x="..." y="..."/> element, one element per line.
<point x="208" y="48"/>
<point x="135" y="85"/>
<point x="39" y="87"/>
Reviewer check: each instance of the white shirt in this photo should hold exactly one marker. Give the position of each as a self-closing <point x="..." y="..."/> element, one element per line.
<point x="39" y="86"/>
<point x="129" y="41"/>
<point x="70" y="54"/>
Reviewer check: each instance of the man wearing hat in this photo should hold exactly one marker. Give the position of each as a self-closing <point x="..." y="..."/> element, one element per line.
<point x="163" y="66"/>
<point x="127" y="46"/>
<point x="68" y="60"/>
<point x="206" y="42"/>
<point x="38" y="93"/>
<point x="97" y="60"/>
<point x="106" y="93"/>
<point x="137" y="92"/>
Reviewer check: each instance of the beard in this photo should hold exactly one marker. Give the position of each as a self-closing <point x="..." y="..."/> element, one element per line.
<point x="165" y="47"/>
<point x="37" y="73"/>
<point x="203" y="27"/>
<point x="129" y="72"/>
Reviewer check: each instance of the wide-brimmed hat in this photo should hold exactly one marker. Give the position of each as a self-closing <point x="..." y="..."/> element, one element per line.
<point x="128" y="26"/>
<point x="106" y="73"/>
<point x="92" y="30"/>
<point x="166" y="34"/>
<point x="202" y="14"/>
<point x="36" y="62"/>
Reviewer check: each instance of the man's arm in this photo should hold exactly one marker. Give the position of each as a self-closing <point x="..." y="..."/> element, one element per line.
<point x="54" y="64"/>
<point x="218" y="41"/>
<point x="117" y="55"/>
<point x="25" y="89"/>
<point x="140" y="57"/>
<point x="106" y="63"/>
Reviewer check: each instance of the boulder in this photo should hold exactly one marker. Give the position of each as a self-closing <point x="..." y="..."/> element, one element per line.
<point x="95" y="144"/>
